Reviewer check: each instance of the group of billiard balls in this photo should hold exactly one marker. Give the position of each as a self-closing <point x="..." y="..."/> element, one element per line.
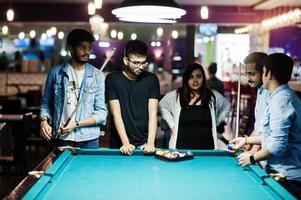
<point x="173" y="154"/>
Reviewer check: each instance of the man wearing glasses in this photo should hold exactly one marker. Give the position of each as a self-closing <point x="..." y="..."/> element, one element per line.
<point x="66" y="84"/>
<point x="132" y="95"/>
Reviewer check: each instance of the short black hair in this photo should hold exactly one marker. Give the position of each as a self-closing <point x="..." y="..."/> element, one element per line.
<point x="76" y="36"/>
<point x="212" y="68"/>
<point x="135" y="47"/>
<point x="280" y="65"/>
<point x="257" y="58"/>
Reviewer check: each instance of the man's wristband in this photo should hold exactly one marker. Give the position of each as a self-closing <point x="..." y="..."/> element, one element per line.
<point x="77" y="124"/>
<point x="252" y="160"/>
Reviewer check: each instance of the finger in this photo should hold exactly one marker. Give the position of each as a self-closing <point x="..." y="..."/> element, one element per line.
<point x="130" y="151"/>
<point x="121" y="150"/>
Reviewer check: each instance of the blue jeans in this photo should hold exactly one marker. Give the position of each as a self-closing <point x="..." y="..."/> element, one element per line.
<point x="90" y="144"/>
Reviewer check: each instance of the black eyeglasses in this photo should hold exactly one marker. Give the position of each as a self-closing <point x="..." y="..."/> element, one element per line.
<point x="138" y="64"/>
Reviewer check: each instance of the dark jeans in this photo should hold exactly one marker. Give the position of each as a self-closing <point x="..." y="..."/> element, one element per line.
<point x="294" y="187"/>
<point x="90" y="144"/>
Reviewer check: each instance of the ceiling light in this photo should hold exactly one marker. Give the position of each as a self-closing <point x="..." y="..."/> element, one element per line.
<point x="98" y="26"/>
<point x="149" y="11"/>
<point x="104" y="44"/>
<point x="174" y="34"/>
<point x="53" y="30"/>
<point x="159" y="32"/>
<point x="32" y="34"/>
<point x="113" y="33"/>
<point x="133" y="36"/>
<point x="10" y="15"/>
<point x="98" y="4"/>
<point x="91" y="8"/>
<point x="96" y="36"/>
<point x="21" y="35"/>
<point x="285" y="19"/>
<point x="60" y="35"/>
<point x="204" y="12"/>
<point x="4" y="30"/>
<point x="120" y="35"/>
<point x="43" y="36"/>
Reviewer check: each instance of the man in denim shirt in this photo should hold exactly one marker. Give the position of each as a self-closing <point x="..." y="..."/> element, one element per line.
<point x="253" y="71"/>
<point x="281" y="139"/>
<point x="66" y="84"/>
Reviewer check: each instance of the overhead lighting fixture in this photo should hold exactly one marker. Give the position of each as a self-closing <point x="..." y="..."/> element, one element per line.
<point x="10" y="14"/>
<point x="133" y="36"/>
<point x="98" y="4"/>
<point x="32" y="34"/>
<point x="160" y="32"/>
<point x="60" y="35"/>
<point x="149" y="11"/>
<point x="174" y="34"/>
<point x="4" y="30"/>
<point x="204" y="12"/>
<point x="91" y="8"/>
<point x="285" y="19"/>
<point x="98" y="26"/>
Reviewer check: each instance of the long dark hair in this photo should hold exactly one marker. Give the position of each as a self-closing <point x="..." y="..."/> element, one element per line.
<point x="184" y="92"/>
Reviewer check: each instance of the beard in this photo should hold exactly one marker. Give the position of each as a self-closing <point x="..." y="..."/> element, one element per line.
<point x="79" y="60"/>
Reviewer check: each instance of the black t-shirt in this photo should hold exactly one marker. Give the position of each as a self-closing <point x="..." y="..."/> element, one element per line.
<point x="194" y="131"/>
<point x="133" y="96"/>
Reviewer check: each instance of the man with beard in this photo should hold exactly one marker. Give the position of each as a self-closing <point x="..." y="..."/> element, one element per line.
<point x="65" y="86"/>
<point x="132" y="95"/>
<point x="253" y="71"/>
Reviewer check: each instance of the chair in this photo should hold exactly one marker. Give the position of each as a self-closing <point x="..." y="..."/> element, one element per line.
<point x="18" y="159"/>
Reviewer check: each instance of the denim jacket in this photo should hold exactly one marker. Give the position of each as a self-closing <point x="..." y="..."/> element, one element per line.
<point x="93" y="104"/>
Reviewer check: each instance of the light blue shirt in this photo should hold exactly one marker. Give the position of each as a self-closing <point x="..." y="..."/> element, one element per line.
<point x="92" y="106"/>
<point x="260" y="108"/>
<point x="282" y="132"/>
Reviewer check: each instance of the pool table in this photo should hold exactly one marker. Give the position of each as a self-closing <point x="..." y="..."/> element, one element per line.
<point x="106" y="174"/>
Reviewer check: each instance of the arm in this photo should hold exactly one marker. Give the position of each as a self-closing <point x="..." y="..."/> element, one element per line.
<point x="241" y="141"/>
<point x="100" y="109"/>
<point x="222" y="107"/>
<point x="126" y="148"/>
<point x="244" y="158"/>
<point x="152" y="125"/>
<point x="166" y="107"/>
<point x="45" y="115"/>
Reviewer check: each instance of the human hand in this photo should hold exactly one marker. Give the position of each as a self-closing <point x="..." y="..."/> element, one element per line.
<point x="149" y="148"/>
<point x="238" y="143"/>
<point x="45" y="130"/>
<point x="244" y="158"/>
<point x="127" y="149"/>
<point x="70" y="127"/>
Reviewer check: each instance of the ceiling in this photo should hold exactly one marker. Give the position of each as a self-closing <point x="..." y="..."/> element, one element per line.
<point x="257" y="4"/>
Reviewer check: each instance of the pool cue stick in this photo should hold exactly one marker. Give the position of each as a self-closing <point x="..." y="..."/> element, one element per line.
<point x="59" y="134"/>
<point x="238" y="102"/>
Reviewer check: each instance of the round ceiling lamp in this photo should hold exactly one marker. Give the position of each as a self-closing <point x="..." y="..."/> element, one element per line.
<point x="149" y="11"/>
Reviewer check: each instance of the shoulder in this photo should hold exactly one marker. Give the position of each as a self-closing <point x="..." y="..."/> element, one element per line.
<point x="55" y="71"/>
<point x="171" y="94"/>
<point x="113" y="75"/>
<point x="92" y="68"/>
